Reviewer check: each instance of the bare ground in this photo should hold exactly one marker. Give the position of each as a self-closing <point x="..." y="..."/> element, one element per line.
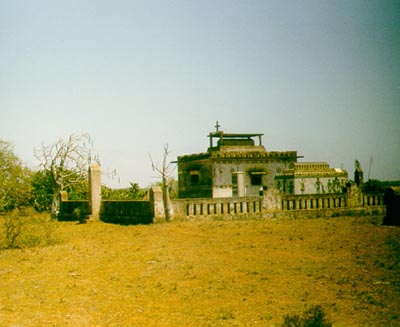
<point x="209" y="273"/>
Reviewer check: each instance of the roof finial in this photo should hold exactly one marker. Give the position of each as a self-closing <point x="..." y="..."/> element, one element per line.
<point x="217" y="126"/>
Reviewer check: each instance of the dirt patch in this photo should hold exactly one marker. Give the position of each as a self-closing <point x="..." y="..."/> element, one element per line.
<point x="251" y="272"/>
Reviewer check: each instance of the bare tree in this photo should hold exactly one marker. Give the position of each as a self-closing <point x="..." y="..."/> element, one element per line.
<point x="165" y="172"/>
<point x="67" y="161"/>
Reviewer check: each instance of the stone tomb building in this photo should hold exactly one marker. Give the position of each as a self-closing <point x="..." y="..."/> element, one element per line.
<point x="234" y="165"/>
<point x="237" y="165"/>
<point x="311" y="178"/>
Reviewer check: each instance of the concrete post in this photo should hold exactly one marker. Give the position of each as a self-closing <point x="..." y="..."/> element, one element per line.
<point x="240" y="184"/>
<point x="354" y="196"/>
<point x="156" y="202"/>
<point x="63" y="196"/>
<point x="272" y="200"/>
<point x="94" y="191"/>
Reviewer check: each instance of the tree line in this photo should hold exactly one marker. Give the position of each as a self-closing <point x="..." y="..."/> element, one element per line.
<point x="63" y="167"/>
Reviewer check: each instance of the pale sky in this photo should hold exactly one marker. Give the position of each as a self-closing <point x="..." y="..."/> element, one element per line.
<point x="319" y="77"/>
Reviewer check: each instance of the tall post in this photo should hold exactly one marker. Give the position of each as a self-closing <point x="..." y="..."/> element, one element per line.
<point x="354" y="196"/>
<point x="156" y="203"/>
<point x="240" y="184"/>
<point x="94" y="191"/>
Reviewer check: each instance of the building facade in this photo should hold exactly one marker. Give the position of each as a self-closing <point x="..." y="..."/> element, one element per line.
<point x="311" y="178"/>
<point x="235" y="165"/>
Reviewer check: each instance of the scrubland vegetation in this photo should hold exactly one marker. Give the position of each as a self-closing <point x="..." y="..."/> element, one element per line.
<point x="343" y="271"/>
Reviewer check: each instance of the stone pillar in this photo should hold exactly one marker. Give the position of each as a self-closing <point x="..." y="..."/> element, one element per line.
<point x="240" y="184"/>
<point x="156" y="202"/>
<point x="94" y="191"/>
<point x="272" y="200"/>
<point x="354" y="196"/>
<point x="63" y="196"/>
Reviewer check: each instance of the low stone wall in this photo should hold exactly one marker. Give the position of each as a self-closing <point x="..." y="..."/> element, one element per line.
<point x="373" y="200"/>
<point x="126" y="212"/>
<point x="271" y="204"/>
<point x="73" y="210"/>
<point x="221" y="207"/>
<point x="275" y="205"/>
<point x="324" y="213"/>
<point x="117" y="212"/>
<point x="317" y="201"/>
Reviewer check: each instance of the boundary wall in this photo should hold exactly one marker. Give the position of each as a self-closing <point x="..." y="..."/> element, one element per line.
<point x="274" y="205"/>
<point x="124" y="212"/>
<point x="229" y="208"/>
<point x="271" y="204"/>
<point x="73" y="210"/>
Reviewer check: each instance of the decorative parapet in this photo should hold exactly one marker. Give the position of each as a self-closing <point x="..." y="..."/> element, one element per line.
<point x="269" y="155"/>
<point x="195" y="156"/>
<point x="331" y="173"/>
<point x="255" y="155"/>
<point x="311" y="169"/>
<point x="307" y="166"/>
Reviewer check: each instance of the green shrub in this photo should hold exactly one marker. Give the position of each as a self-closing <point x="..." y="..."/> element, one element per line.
<point x="12" y="228"/>
<point x="25" y="228"/>
<point x="78" y="214"/>
<point x="373" y="186"/>
<point x="313" y="317"/>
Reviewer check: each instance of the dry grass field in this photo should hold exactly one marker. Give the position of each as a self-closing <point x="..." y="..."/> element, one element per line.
<point x="209" y="273"/>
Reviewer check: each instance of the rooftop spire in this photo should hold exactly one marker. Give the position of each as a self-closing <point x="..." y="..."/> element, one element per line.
<point x="217" y="126"/>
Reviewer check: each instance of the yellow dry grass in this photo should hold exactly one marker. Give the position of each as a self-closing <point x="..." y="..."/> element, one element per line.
<point x="208" y="273"/>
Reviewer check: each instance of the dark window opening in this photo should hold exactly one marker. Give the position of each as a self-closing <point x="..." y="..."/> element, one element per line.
<point x="234" y="179"/>
<point x="234" y="185"/>
<point x="256" y="179"/>
<point x="194" y="177"/>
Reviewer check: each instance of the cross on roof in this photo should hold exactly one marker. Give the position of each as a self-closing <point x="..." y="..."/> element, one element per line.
<point x="217" y="126"/>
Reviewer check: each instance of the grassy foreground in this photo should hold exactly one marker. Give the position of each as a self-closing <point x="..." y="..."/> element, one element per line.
<point x="223" y="273"/>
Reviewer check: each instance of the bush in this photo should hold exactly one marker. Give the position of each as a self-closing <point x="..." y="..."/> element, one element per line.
<point x="313" y="317"/>
<point x="25" y="228"/>
<point x="373" y="187"/>
<point x="78" y="215"/>
<point x="12" y="229"/>
<point x="14" y="180"/>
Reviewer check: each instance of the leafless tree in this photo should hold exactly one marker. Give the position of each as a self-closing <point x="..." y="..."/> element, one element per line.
<point x="165" y="171"/>
<point x="67" y="161"/>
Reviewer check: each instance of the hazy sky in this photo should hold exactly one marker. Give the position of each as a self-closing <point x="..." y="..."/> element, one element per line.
<point x="319" y="77"/>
